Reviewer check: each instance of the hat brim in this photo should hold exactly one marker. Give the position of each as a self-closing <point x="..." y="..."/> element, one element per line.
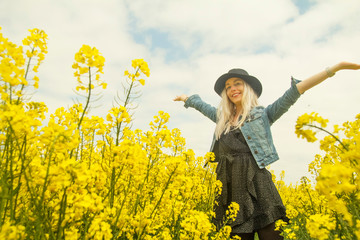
<point x="251" y="80"/>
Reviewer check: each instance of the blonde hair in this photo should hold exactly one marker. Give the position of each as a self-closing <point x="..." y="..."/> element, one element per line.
<point x="226" y="110"/>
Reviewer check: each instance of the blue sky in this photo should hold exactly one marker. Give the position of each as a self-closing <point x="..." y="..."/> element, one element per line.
<point x="188" y="44"/>
<point x="161" y="40"/>
<point x="303" y="5"/>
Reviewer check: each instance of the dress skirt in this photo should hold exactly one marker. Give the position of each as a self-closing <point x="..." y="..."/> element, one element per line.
<point x="246" y="184"/>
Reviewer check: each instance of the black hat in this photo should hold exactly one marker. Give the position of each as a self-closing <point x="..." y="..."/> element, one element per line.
<point x="239" y="73"/>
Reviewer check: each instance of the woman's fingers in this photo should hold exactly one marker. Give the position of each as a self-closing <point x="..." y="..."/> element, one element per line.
<point x="349" y="65"/>
<point x="180" y="98"/>
<point x="177" y="98"/>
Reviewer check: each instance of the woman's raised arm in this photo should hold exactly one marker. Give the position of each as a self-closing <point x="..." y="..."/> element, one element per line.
<point x="321" y="76"/>
<point x="196" y="102"/>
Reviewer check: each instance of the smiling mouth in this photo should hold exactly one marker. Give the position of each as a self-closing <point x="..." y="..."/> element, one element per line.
<point x="236" y="94"/>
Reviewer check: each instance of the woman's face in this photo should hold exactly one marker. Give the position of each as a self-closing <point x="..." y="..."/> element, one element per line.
<point x="234" y="90"/>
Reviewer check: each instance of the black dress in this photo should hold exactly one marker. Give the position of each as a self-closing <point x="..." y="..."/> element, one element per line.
<point x="246" y="184"/>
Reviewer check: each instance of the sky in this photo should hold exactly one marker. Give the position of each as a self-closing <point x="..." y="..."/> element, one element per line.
<point x="188" y="44"/>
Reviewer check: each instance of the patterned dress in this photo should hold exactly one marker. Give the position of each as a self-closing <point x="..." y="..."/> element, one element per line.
<point x="245" y="183"/>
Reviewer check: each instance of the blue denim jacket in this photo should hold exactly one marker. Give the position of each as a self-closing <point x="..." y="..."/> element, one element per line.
<point x="256" y="128"/>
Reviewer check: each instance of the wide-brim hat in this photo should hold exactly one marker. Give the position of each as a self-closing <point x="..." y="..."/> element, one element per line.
<point x="238" y="73"/>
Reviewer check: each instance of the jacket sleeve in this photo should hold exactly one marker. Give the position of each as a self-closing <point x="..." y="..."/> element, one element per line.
<point x="275" y="110"/>
<point x="196" y="102"/>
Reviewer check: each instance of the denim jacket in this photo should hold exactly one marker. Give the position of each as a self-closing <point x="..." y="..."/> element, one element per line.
<point x="256" y="128"/>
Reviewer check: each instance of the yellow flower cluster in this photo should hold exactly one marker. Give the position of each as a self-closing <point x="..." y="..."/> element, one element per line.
<point x="12" y="232"/>
<point x="117" y="115"/>
<point x="86" y="59"/>
<point x="11" y="65"/>
<point x="319" y="226"/>
<point x="140" y="66"/>
<point x="233" y="210"/>
<point x="38" y="48"/>
<point x="13" y="68"/>
<point x="329" y="208"/>
<point x="308" y="120"/>
<point x="75" y="176"/>
<point x="196" y="226"/>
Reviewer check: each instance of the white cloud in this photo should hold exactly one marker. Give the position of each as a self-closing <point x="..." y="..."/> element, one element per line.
<point x="230" y="25"/>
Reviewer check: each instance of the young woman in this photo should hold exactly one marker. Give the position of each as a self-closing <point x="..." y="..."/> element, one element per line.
<point x="243" y="147"/>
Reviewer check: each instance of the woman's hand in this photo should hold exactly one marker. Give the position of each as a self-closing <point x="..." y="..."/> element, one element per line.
<point x="182" y="97"/>
<point x="344" y="66"/>
<point x="348" y="65"/>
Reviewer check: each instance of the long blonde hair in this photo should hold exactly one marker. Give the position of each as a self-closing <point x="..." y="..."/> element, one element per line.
<point x="226" y="110"/>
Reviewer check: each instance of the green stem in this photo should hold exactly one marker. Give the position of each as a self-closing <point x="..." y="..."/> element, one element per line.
<point x="9" y="162"/>
<point x="112" y="188"/>
<point x="87" y="101"/>
<point x="127" y="101"/>
<point x="162" y="194"/>
<point x="113" y="184"/>
<point x="336" y="138"/>
<point x="145" y="180"/>
<point x="85" y="108"/>
<point x="47" y="174"/>
<point x="118" y="213"/>
<point x="26" y="73"/>
<point x="311" y="201"/>
<point x="61" y="214"/>
<point x="22" y="156"/>
<point x="91" y="147"/>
